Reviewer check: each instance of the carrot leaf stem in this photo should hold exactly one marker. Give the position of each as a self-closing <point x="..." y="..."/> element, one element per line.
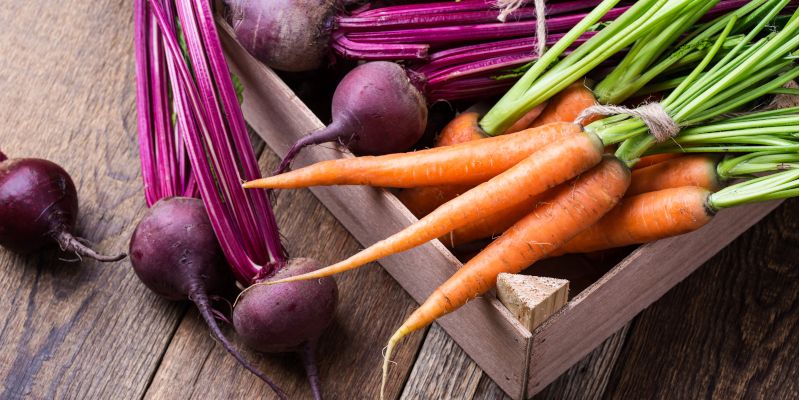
<point x="778" y="185"/>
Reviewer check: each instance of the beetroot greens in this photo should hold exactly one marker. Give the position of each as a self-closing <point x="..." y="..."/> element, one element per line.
<point x="211" y="125"/>
<point x="39" y="208"/>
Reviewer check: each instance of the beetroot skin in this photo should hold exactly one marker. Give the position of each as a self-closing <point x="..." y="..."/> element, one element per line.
<point x="289" y="35"/>
<point x="376" y="110"/>
<point x="280" y="318"/>
<point x="174" y="251"/>
<point x="39" y="208"/>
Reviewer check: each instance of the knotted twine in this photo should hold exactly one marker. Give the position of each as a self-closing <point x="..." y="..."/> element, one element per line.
<point x="660" y="124"/>
<point x="509" y="6"/>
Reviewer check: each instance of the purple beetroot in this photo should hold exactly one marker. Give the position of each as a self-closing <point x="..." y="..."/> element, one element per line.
<point x="288" y="317"/>
<point x="290" y="35"/>
<point x="175" y="254"/>
<point x="376" y="110"/>
<point x="39" y="208"/>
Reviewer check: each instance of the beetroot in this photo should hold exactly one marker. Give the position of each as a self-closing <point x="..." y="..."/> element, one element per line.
<point x="176" y="255"/>
<point x="376" y="110"/>
<point x="39" y="208"/>
<point x="288" y="317"/>
<point x="290" y="35"/>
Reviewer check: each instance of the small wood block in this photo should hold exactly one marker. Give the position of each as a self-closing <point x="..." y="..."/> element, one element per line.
<point x="532" y="299"/>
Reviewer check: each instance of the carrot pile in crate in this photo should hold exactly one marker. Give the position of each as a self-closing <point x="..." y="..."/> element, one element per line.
<point x="689" y="118"/>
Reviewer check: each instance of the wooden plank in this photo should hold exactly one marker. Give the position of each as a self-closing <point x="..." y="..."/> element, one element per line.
<point x="442" y="370"/>
<point x="635" y="283"/>
<point x="76" y="330"/>
<point x="727" y="332"/>
<point x="589" y="377"/>
<point x="371" y="307"/>
<point x="531" y="299"/>
<point x="483" y="327"/>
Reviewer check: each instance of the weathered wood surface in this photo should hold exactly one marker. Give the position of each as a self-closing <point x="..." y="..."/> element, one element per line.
<point x="76" y="330"/>
<point x="91" y="331"/>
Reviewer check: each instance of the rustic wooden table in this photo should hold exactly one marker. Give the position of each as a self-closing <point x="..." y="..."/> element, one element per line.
<point x="92" y="331"/>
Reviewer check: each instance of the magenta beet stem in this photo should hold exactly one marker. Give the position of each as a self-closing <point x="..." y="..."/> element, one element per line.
<point x="476" y="32"/>
<point x="246" y="242"/>
<point x="346" y="48"/>
<point x="448" y="13"/>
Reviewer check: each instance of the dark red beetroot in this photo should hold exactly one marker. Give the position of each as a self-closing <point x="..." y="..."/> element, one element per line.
<point x="290" y="35"/>
<point x="176" y="255"/>
<point x="39" y="208"/>
<point x="288" y="317"/>
<point x="376" y="110"/>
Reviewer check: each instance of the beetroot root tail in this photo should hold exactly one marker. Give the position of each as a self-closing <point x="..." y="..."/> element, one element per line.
<point x="335" y="131"/>
<point x="68" y="242"/>
<point x="308" y="354"/>
<point x="200" y="299"/>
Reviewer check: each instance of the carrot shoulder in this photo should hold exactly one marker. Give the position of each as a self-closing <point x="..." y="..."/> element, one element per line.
<point x="567" y="105"/>
<point x="462" y="164"/>
<point x="561" y="215"/>
<point x="543" y="170"/>
<point x="647" y="161"/>
<point x="691" y="170"/>
<point x="645" y="218"/>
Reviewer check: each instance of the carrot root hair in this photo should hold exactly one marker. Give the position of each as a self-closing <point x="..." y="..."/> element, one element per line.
<point x="387" y="356"/>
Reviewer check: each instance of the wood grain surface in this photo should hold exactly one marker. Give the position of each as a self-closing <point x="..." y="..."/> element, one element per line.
<point x="92" y="331"/>
<point x="69" y="329"/>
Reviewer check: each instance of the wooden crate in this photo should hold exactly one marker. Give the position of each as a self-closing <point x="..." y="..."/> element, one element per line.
<point x="521" y="362"/>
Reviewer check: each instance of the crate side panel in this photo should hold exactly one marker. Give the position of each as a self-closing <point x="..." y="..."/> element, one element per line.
<point x="627" y="289"/>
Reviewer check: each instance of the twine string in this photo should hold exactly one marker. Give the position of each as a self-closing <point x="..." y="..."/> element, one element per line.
<point x="660" y="124"/>
<point x="509" y="6"/>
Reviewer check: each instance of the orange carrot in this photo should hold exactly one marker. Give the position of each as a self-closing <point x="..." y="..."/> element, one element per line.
<point x="421" y="201"/>
<point x="527" y="119"/>
<point x="692" y="170"/>
<point x="696" y="170"/>
<point x="463" y="128"/>
<point x="462" y="164"/>
<point x="567" y="105"/>
<point x="547" y="168"/>
<point x="647" y="161"/>
<point x="561" y="215"/>
<point x="645" y="218"/>
<point x="491" y="226"/>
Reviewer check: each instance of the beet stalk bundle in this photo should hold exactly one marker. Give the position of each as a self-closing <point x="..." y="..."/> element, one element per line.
<point x="207" y="151"/>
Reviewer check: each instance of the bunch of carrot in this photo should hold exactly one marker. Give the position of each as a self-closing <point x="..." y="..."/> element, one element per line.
<point x="547" y="186"/>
